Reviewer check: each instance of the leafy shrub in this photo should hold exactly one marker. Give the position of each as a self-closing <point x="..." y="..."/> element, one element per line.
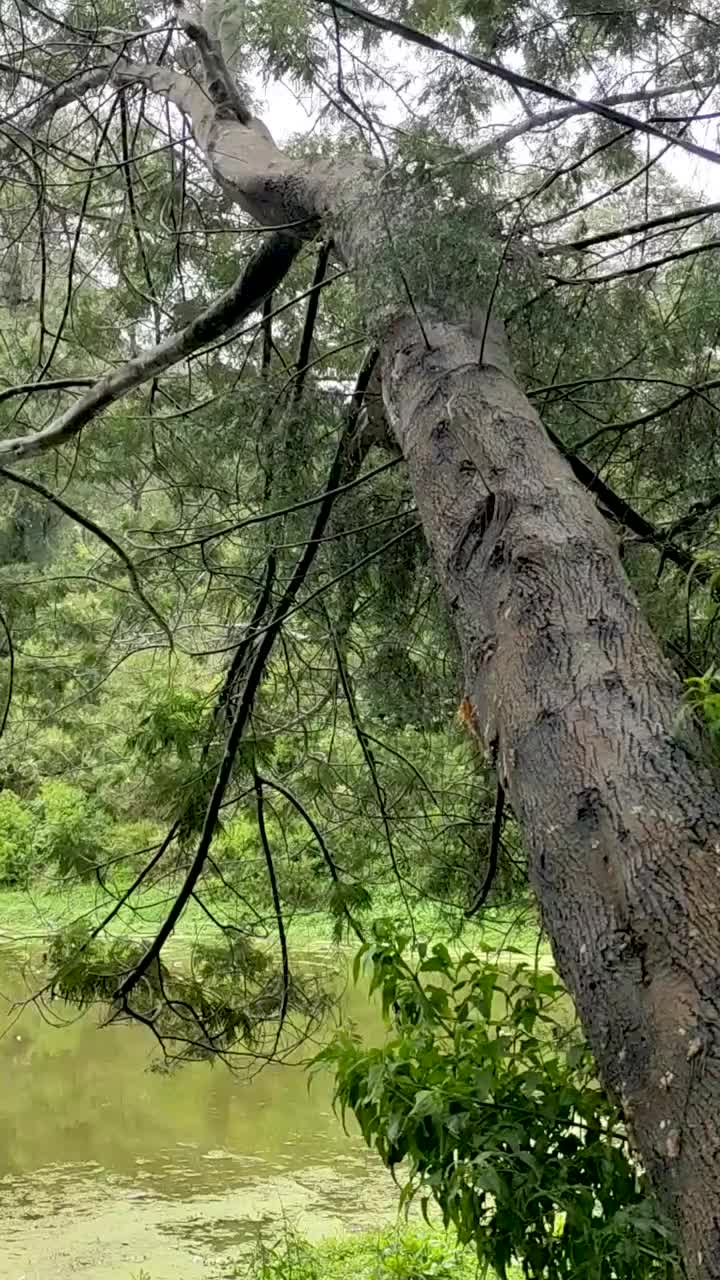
<point x="16" y="832"/>
<point x="702" y="693"/>
<point x="72" y="830"/>
<point x="485" y="1092"/>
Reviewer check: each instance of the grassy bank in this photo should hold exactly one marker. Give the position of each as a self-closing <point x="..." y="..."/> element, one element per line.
<point x="30" y="916"/>
<point x="397" y="1253"/>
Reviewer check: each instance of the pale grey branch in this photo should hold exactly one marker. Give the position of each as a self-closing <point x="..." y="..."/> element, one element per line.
<point x="267" y="267"/>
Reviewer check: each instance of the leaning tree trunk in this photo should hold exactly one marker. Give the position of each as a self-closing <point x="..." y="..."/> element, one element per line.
<point x="570" y="693"/>
<point x="581" y="713"/>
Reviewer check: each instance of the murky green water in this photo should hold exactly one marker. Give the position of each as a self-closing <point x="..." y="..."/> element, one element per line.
<point x="108" y="1170"/>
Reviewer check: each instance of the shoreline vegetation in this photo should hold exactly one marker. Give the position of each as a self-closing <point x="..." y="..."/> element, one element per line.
<point x="400" y="1251"/>
<point x="393" y="1250"/>
<point x="35" y="914"/>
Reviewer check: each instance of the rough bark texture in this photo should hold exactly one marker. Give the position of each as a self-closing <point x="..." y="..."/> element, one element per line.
<point x="580" y="711"/>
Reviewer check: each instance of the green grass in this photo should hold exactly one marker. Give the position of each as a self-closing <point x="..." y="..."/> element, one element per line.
<point x="30" y="916"/>
<point x="36" y="913"/>
<point x="395" y="1253"/>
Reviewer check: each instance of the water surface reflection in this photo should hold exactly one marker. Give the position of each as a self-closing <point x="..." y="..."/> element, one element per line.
<point x="108" y="1168"/>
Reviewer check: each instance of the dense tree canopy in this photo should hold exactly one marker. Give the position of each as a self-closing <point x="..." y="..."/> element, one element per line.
<point x="256" y="403"/>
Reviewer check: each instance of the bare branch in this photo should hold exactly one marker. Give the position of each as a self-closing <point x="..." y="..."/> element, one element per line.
<point x="559" y="115"/>
<point x="497" y="822"/>
<point x="303" y="360"/>
<point x="277" y="905"/>
<point x="11" y="673"/>
<point x="51" y="384"/>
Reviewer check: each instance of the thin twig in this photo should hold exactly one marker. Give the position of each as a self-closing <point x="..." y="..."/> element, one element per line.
<point x="493" y="856"/>
<point x="11" y="673"/>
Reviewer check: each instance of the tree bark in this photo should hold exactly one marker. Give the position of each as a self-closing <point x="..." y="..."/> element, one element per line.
<point x="579" y="709"/>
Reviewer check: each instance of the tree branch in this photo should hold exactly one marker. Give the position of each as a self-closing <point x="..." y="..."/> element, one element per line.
<point x="322" y="845"/>
<point x="495" y="833"/>
<point x="10" y="654"/>
<point x="87" y="523"/>
<point x="633" y="228"/>
<point x="643" y="419"/>
<point x="221" y="86"/>
<point x="344" y="462"/>
<point x="52" y="101"/>
<point x="308" y="332"/>
<point x="624" y="513"/>
<point x="516" y="78"/>
<point x="52" y="384"/>
<point x="651" y="265"/>
<point x="277" y="905"/>
<point x="186" y="94"/>
<point x="558" y="115"/>
<point x="267" y="267"/>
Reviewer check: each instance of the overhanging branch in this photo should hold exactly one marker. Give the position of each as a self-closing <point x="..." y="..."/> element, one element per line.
<point x="633" y="229"/>
<point x="638" y="268"/>
<point x="345" y="465"/>
<point x="266" y="269"/>
<point x="558" y="115"/>
<point x="626" y="515"/>
<point x="92" y="527"/>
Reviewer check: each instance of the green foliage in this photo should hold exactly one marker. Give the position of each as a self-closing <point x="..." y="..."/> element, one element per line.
<point x="127" y="839"/>
<point x="702" y="693"/>
<point x="16" y="840"/>
<point x="396" y="1253"/>
<point x="702" y="698"/>
<point x="174" y="723"/>
<point x="484" y="1100"/>
<point x="230" y="993"/>
<point x="72" y="831"/>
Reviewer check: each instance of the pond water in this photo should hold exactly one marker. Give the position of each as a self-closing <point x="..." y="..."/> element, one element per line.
<point x="109" y="1170"/>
